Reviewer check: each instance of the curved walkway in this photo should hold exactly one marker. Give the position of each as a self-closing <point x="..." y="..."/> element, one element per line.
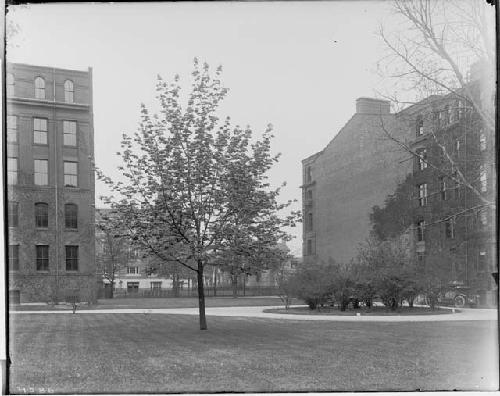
<point x="258" y="312"/>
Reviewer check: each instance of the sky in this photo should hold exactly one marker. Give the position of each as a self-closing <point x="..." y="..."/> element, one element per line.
<point x="298" y="65"/>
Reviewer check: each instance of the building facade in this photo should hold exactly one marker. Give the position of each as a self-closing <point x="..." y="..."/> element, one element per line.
<point x="342" y="183"/>
<point x="50" y="150"/>
<point x="454" y="180"/>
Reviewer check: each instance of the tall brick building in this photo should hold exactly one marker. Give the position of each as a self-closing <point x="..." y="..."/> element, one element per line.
<point x="50" y="148"/>
<point x="454" y="224"/>
<point x="342" y="183"/>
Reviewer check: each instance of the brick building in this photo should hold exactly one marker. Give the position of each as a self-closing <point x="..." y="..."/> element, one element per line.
<point x="454" y="224"/>
<point x="50" y="148"/>
<point x="342" y="183"/>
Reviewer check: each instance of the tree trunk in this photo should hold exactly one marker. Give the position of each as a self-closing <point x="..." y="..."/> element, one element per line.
<point x="234" y="282"/>
<point x="175" y="284"/>
<point x="201" y="297"/>
<point x="215" y="282"/>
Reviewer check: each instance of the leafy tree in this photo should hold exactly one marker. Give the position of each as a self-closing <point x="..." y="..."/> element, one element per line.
<point x="391" y="268"/>
<point x="192" y="180"/>
<point x="113" y="246"/>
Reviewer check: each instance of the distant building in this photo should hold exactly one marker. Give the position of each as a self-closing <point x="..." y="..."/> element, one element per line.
<point x="50" y="148"/>
<point x="342" y="183"/>
<point x="136" y="272"/>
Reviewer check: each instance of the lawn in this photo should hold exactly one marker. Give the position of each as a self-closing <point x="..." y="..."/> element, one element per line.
<point x="171" y="302"/>
<point x="135" y="353"/>
<point x="374" y="311"/>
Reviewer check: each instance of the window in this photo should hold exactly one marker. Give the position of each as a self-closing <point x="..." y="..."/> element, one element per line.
<point x="309" y="250"/>
<point x="13" y="257"/>
<point x="309" y="195"/>
<point x="420" y="126"/>
<point x="70" y="174"/>
<point x="456" y="115"/>
<point x="71" y="258"/>
<point x="12" y="129"/>
<point x="13" y="219"/>
<point x="133" y="270"/>
<point x="422" y="194"/>
<point x="39" y="88"/>
<point x="421" y="231"/>
<point x="39" y="131"/>
<point x="447" y="115"/>
<point x="41" y="215"/>
<point x="71" y="216"/>
<point x="309" y="221"/>
<point x="442" y="188"/>
<point x="41" y="172"/>
<point x="69" y="133"/>
<point x="42" y="257"/>
<point x="483" y="179"/>
<point x="10" y="85"/>
<point x="450" y="228"/>
<point x="457" y="147"/>
<point x="422" y="159"/>
<point x="68" y="91"/>
<point x="132" y="287"/>
<point x="440" y="119"/>
<point x="12" y="170"/>
<point x="420" y="259"/>
<point x="482" y="141"/>
<point x="155" y="285"/>
<point x="481" y="265"/>
<point x="483" y="217"/>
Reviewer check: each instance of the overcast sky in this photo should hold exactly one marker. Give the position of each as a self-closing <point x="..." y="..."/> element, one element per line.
<point x="297" y="65"/>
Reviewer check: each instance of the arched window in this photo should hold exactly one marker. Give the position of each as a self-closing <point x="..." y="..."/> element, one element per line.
<point x="39" y="88"/>
<point x="10" y="84"/>
<point x="419" y="126"/>
<point x="71" y="215"/>
<point x="68" y="91"/>
<point x="41" y="215"/>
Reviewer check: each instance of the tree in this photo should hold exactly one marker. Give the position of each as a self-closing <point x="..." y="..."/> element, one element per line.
<point x="390" y="268"/>
<point x="191" y="180"/>
<point x="313" y="283"/>
<point x="113" y="246"/>
<point x="433" y="55"/>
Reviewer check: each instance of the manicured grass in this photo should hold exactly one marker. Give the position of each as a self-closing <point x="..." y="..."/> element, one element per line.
<point x="374" y="311"/>
<point x="135" y="353"/>
<point x="171" y="302"/>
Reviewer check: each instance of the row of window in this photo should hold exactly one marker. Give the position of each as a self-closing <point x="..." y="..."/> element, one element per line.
<point x="69" y="89"/>
<point x="41" y="172"/>
<point x="42" y="257"/>
<point x="134" y="286"/>
<point x="444" y="188"/>
<point x="448" y="115"/>
<point x="449" y="226"/>
<point x="422" y="161"/>
<point x="42" y="215"/>
<point x="40" y="131"/>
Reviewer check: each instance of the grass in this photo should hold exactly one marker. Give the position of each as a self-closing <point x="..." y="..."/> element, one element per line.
<point x="171" y="302"/>
<point x="137" y="353"/>
<point x="374" y="311"/>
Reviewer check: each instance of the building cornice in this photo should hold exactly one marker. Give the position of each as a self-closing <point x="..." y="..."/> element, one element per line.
<point x="46" y="103"/>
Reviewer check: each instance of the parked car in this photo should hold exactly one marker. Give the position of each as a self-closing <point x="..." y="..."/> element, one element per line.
<point x="460" y="296"/>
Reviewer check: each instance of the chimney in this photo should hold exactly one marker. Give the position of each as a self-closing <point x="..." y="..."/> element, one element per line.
<point x="372" y="106"/>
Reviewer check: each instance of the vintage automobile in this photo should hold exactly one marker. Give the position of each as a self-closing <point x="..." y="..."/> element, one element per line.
<point x="459" y="296"/>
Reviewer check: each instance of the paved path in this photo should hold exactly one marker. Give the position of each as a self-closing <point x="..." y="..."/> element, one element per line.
<point x="257" y="312"/>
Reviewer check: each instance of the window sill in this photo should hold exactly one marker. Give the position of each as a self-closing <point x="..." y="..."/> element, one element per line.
<point x="42" y="228"/>
<point x="71" y="229"/>
<point x="41" y="144"/>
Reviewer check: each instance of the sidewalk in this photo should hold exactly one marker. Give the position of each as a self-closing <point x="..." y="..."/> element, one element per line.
<point x="257" y="312"/>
